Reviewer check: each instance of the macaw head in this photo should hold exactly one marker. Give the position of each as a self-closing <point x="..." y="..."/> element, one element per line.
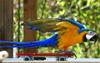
<point x="90" y="36"/>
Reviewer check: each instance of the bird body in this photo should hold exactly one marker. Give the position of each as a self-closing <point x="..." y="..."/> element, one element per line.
<point x="69" y="32"/>
<point x="69" y="36"/>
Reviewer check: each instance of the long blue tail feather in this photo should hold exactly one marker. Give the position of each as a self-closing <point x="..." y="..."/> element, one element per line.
<point x="52" y="41"/>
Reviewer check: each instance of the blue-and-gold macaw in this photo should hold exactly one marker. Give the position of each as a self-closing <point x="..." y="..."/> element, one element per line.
<point x="69" y="32"/>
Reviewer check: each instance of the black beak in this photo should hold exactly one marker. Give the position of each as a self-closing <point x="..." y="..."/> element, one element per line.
<point x="94" y="38"/>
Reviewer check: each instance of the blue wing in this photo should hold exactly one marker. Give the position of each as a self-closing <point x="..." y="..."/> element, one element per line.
<point x="52" y="41"/>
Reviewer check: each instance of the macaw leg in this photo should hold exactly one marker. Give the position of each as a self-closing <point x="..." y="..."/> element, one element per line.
<point x="68" y="52"/>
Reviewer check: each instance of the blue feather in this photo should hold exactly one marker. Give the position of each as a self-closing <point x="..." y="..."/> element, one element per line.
<point x="52" y="41"/>
<point x="75" y="23"/>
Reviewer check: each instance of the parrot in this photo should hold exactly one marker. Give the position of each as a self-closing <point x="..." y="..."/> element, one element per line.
<point x="67" y="32"/>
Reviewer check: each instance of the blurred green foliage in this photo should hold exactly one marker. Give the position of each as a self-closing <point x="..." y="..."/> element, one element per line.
<point x="18" y="20"/>
<point x="86" y="12"/>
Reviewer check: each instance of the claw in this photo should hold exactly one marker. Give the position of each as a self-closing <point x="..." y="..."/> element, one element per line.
<point x="69" y="52"/>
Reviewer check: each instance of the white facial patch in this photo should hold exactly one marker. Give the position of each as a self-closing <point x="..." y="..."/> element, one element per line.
<point x="90" y="34"/>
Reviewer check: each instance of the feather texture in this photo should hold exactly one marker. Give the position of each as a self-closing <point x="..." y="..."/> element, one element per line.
<point x="68" y="33"/>
<point x="68" y="30"/>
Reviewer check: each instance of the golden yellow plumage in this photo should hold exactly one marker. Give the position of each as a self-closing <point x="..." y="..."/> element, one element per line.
<point x="69" y="36"/>
<point x="68" y="32"/>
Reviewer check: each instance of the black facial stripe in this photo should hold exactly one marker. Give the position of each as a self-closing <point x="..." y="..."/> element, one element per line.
<point x="84" y="38"/>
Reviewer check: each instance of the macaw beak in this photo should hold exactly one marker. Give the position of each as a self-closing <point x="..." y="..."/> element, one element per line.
<point x="91" y="37"/>
<point x="94" y="39"/>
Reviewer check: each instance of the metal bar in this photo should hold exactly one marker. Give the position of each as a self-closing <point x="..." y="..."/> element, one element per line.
<point x="69" y="60"/>
<point x="44" y="54"/>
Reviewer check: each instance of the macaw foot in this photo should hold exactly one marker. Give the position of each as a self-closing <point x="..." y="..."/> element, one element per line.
<point x="69" y="52"/>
